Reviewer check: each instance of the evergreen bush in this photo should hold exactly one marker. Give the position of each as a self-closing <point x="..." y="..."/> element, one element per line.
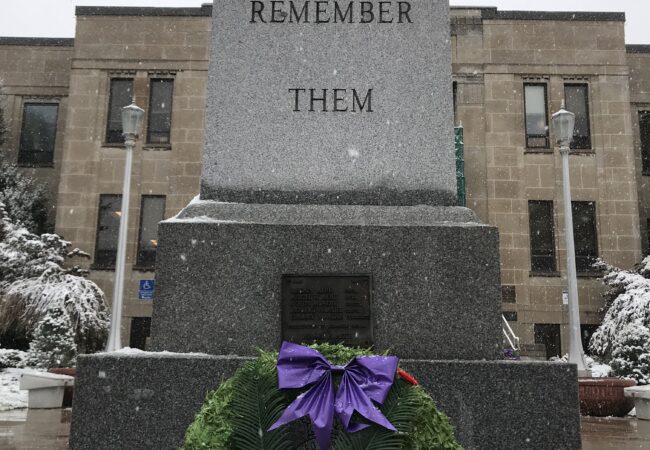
<point x="238" y="413"/>
<point x="53" y="344"/>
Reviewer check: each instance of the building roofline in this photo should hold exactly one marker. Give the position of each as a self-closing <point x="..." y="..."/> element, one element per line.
<point x="37" y="41"/>
<point x="577" y="16"/>
<point x="204" y="10"/>
<point x="487" y="13"/>
<point x="637" y="48"/>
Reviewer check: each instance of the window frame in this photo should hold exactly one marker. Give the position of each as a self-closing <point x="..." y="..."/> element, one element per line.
<point x="141" y="263"/>
<point x="100" y="263"/>
<point x="572" y="145"/>
<point x="107" y="130"/>
<point x="148" y="141"/>
<point x="547" y="145"/>
<point x="28" y="162"/>
<point x="553" y="256"/>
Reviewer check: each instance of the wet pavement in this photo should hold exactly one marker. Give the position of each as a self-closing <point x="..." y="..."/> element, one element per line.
<point x="36" y="429"/>
<point x="613" y="433"/>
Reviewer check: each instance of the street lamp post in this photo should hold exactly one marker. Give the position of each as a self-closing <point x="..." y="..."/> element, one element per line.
<point x="132" y="117"/>
<point x="563" y="123"/>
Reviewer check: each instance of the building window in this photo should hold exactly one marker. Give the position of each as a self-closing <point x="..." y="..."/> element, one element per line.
<point x="454" y="89"/>
<point x="121" y="95"/>
<point x="508" y="294"/>
<point x="585" y="235"/>
<point x="140" y="331"/>
<point x="548" y="335"/>
<point x="586" y="332"/>
<point x="160" y="111"/>
<point x="577" y="101"/>
<point x="536" y="115"/>
<point x="644" y="130"/>
<point x="108" y="227"/>
<point x="152" y="211"/>
<point x="510" y="316"/>
<point x="542" y="236"/>
<point x="38" y="133"/>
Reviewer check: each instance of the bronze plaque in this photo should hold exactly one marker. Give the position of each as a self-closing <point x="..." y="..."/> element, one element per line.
<point x="327" y="308"/>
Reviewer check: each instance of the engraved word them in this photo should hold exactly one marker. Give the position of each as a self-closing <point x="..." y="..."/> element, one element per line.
<point x="338" y="100"/>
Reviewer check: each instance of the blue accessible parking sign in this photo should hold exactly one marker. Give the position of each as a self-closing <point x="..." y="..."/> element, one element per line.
<point x="146" y="289"/>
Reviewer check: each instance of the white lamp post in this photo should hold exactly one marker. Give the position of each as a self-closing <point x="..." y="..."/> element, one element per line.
<point x="132" y="118"/>
<point x="563" y="123"/>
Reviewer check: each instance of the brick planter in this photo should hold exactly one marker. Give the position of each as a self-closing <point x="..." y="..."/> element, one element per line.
<point x="603" y="397"/>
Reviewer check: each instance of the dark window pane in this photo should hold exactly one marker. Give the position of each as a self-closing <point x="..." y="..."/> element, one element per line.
<point x="454" y="88"/>
<point x="584" y="235"/>
<point x="121" y="95"/>
<point x="536" y="116"/>
<point x="511" y="316"/>
<point x="508" y="294"/>
<point x="577" y="101"/>
<point x="152" y="211"/>
<point x="586" y="332"/>
<point x="140" y="331"/>
<point x="644" y="129"/>
<point x="160" y="111"/>
<point x="548" y="334"/>
<point x="108" y="227"/>
<point x="38" y="133"/>
<point x="542" y="236"/>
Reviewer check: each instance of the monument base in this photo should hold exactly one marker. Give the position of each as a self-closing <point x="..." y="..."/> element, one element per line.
<point x="435" y="285"/>
<point x="147" y="401"/>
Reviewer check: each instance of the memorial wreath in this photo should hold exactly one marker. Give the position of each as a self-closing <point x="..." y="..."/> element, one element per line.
<point x="288" y="401"/>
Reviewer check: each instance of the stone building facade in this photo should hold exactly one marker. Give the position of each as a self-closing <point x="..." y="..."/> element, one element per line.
<point x="511" y="71"/>
<point x="34" y="83"/>
<point x="638" y="61"/>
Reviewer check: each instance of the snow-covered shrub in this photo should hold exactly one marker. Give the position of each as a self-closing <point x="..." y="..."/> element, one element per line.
<point x="82" y="300"/>
<point x="32" y="278"/>
<point x="53" y="344"/>
<point x="24" y="254"/>
<point x="623" y="337"/>
<point x="26" y="200"/>
<point x="12" y="358"/>
<point x="631" y="354"/>
<point x="631" y="306"/>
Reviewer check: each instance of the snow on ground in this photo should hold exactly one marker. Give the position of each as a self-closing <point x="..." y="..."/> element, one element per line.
<point x="600" y="370"/>
<point x="137" y="352"/>
<point x="10" y="396"/>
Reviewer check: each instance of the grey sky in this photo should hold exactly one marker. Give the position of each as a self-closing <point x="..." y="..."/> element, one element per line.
<point x="55" y="18"/>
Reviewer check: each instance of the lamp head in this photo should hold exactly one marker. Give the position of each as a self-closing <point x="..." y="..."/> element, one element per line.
<point x="563" y="124"/>
<point x="132" y="118"/>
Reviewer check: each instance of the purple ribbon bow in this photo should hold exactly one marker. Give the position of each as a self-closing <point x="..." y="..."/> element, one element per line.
<point x="365" y="379"/>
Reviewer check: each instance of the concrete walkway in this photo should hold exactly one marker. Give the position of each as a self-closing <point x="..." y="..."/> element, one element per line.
<point x="36" y="429"/>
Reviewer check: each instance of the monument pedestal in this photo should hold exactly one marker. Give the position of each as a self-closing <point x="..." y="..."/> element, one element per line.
<point x="433" y="275"/>
<point x="147" y="401"/>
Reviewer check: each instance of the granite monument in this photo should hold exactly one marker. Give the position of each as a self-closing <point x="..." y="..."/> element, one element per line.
<point x="327" y="212"/>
